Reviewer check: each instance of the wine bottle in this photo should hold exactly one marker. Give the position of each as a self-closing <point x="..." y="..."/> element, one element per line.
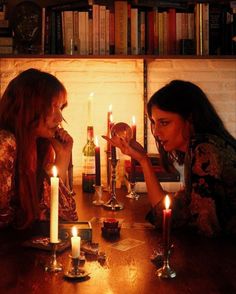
<point x="88" y="172"/>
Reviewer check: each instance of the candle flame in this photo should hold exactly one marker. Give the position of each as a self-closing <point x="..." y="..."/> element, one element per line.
<point x="74" y="232"/>
<point x="110" y="108"/>
<point x="111" y="118"/>
<point x="96" y="141"/>
<point x="91" y="94"/>
<point x="167" y="202"/>
<point x="54" y="171"/>
<point x="133" y="120"/>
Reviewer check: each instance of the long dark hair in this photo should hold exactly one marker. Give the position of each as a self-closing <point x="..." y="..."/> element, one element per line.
<point x="191" y="103"/>
<point x="27" y="98"/>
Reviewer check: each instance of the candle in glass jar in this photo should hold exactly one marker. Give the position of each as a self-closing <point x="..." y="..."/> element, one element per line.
<point x="97" y="163"/>
<point x="166" y="223"/>
<point x="75" y="243"/>
<point x="54" y="207"/>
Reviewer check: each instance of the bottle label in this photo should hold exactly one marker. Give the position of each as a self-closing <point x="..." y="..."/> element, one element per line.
<point x="89" y="164"/>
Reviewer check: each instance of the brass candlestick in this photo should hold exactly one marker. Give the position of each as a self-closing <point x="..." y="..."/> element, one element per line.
<point x="75" y="272"/>
<point x="112" y="203"/>
<point x="53" y="265"/>
<point x="74" y="266"/>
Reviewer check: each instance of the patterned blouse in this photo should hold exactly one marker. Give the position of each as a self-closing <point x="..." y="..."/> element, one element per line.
<point x="67" y="207"/>
<point x="208" y="201"/>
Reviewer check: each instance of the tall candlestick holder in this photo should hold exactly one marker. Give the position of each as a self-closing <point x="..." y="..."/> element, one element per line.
<point x="53" y="265"/>
<point x="166" y="271"/>
<point x="112" y="203"/>
<point x="98" y="194"/>
<point x="108" y="158"/>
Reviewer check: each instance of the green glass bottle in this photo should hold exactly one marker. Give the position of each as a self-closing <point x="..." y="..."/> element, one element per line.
<point x="88" y="168"/>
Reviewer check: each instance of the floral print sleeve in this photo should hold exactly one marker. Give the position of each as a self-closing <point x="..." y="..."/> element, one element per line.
<point x="7" y="167"/>
<point x="213" y="186"/>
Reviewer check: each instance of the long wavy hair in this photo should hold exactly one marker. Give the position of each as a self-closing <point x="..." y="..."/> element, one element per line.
<point x="191" y="103"/>
<point x="27" y="98"/>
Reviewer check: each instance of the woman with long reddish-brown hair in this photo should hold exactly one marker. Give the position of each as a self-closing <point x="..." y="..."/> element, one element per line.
<point x="31" y="141"/>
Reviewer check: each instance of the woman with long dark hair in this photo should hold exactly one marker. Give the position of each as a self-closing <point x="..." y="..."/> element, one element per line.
<point x="31" y="142"/>
<point x="188" y="130"/>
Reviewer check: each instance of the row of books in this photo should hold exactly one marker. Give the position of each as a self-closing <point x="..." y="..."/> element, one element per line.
<point x="6" y="39"/>
<point x="202" y="29"/>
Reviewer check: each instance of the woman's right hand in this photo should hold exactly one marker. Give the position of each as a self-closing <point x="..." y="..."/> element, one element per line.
<point x="131" y="148"/>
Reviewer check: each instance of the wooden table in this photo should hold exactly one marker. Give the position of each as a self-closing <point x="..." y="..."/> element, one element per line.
<point x="202" y="265"/>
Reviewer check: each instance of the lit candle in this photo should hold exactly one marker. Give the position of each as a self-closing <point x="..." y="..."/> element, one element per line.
<point x="54" y="207"/>
<point x="109" y="118"/>
<point x="133" y="126"/>
<point x="109" y="122"/>
<point x="75" y="243"/>
<point x="166" y="223"/>
<point x="97" y="163"/>
<point x="90" y="109"/>
<point x="110" y="147"/>
<point x="133" y="163"/>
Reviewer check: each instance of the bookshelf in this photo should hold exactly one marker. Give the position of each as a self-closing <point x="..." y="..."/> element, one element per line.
<point x="125" y="28"/>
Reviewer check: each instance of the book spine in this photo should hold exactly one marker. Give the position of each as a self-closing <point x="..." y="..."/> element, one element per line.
<point x="214" y="29"/>
<point x="171" y="44"/>
<point x="107" y="32"/>
<point x="43" y="30"/>
<point x="121" y="10"/>
<point x="96" y="29"/>
<point x="134" y="31"/>
<point x="205" y="28"/>
<point x="59" y="37"/>
<point x="150" y="32"/>
<point x="102" y="29"/>
<point x="156" y="36"/>
<point x="68" y="31"/>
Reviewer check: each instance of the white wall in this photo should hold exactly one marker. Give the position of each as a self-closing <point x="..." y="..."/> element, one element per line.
<point x="120" y="82"/>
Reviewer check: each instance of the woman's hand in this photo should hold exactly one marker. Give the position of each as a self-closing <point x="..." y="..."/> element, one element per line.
<point x="131" y="148"/>
<point x="62" y="144"/>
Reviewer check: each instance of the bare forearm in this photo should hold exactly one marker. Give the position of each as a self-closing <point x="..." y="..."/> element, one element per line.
<point x="62" y="163"/>
<point x="154" y="189"/>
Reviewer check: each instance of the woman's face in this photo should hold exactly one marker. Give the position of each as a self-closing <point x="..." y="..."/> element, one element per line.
<point x="48" y="126"/>
<point x="170" y="129"/>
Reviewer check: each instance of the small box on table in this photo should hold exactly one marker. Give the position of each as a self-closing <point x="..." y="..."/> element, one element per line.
<point x="84" y="230"/>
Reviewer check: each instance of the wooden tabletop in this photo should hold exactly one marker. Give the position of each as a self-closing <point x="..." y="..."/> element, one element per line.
<point x="202" y="265"/>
